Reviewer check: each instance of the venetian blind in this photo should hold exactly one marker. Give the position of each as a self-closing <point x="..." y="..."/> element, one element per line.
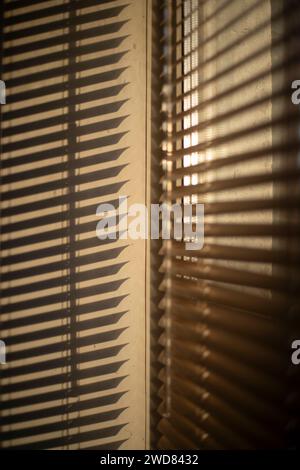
<point x="230" y="311"/>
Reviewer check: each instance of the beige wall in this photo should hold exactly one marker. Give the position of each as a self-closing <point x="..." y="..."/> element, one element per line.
<point x="134" y="254"/>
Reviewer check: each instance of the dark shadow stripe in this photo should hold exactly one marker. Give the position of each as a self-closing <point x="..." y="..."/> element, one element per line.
<point x="80" y="98"/>
<point x="47" y="90"/>
<point x="53" y="251"/>
<point x="61" y="24"/>
<point x="47" y="138"/>
<point x="42" y="413"/>
<point x="60" y="330"/>
<point x="63" y="425"/>
<point x="60" y="217"/>
<point x="53" y="202"/>
<point x="61" y="39"/>
<point x="51" y="364"/>
<point x="60" y="152"/>
<point x="110" y="254"/>
<point x="59" y="233"/>
<point x="52" y="235"/>
<point x="96" y="273"/>
<point x="51" y="380"/>
<point x="64" y="119"/>
<point x="110" y="59"/>
<point x="92" y="307"/>
<point x="57" y="250"/>
<point x="59" y="346"/>
<point x="61" y="183"/>
<point x="61" y="394"/>
<point x="48" y="11"/>
<point x="57" y="298"/>
<point x="73" y="439"/>
<point x="64" y="54"/>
